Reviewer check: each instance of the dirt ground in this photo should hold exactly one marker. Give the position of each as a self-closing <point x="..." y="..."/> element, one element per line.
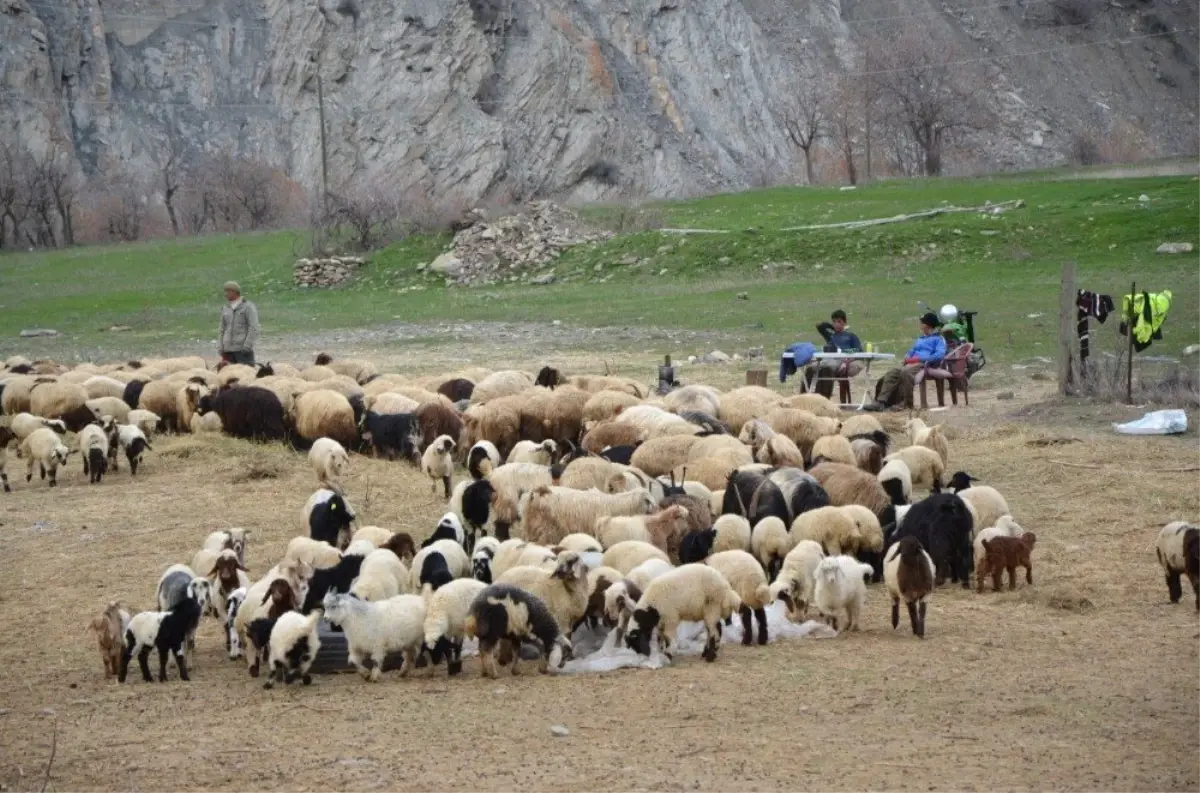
<point x="1087" y="680"/>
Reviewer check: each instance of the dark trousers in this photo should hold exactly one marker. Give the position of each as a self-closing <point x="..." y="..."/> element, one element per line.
<point x="240" y="356"/>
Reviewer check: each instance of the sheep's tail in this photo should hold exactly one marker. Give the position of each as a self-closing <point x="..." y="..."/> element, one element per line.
<point x="731" y="603"/>
<point x="762" y="593"/>
<point x="469" y="626"/>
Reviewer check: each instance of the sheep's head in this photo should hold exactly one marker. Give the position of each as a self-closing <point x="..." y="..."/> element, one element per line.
<point x="225" y="569"/>
<point x="281" y="595"/>
<point x="829" y="570"/>
<point x="200" y="590"/>
<point x="560" y="653"/>
<point x="205" y="405"/>
<point x="570" y="567"/>
<point x="644" y="621"/>
<point x="961" y="480"/>
<point x="336" y="606"/>
<point x="1027" y="540"/>
<point x="401" y="543"/>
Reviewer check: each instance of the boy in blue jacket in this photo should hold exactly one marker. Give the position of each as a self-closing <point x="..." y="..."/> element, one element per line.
<point x="930" y="348"/>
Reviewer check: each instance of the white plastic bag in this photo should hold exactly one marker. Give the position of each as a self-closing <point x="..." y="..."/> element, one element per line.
<point x="1158" y="422"/>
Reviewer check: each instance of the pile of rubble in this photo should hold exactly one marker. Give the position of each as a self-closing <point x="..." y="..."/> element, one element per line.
<point x="514" y="247"/>
<point x="322" y="273"/>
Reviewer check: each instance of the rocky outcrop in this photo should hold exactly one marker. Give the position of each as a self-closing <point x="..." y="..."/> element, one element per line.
<point x="574" y="99"/>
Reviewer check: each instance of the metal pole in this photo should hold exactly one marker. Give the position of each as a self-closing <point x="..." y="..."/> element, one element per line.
<point x="1129" y="320"/>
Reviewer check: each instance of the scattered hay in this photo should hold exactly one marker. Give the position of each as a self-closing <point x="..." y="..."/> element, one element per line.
<point x="185" y="448"/>
<point x="257" y="467"/>
<point x="1051" y="441"/>
<point x="1061" y="597"/>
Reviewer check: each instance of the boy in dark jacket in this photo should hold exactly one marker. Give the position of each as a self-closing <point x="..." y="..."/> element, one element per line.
<point x="837" y="334"/>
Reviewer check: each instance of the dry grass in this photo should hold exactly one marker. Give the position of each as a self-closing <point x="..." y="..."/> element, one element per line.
<point x="1086" y="680"/>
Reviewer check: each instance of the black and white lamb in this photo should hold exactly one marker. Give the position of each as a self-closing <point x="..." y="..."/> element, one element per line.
<point x="166" y="631"/>
<point x="502" y="616"/>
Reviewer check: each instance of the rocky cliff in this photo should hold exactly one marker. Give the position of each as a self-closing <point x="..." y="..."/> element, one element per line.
<point x="577" y="99"/>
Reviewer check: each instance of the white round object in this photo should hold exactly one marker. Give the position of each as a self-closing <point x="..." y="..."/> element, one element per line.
<point x="949" y="313"/>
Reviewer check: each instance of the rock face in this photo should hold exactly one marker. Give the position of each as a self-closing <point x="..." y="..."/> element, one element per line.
<point x="517" y="99"/>
<point x="328" y="272"/>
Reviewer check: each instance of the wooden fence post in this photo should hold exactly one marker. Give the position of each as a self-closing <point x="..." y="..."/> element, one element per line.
<point x="1068" y="337"/>
<point x="1130" y="320"/>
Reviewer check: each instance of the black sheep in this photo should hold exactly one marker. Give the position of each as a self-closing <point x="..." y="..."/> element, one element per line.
<point x="457" y="390"/>
<point x="247" y="412"/>
<point x="448" y="528"/>
<point x="392" y="434"/>
<point x="708" y="424"/>
<point x="329" y="518"/>
<point x="503" y="615"/>
<point x="943" y="525"/>
<point x="878" y="437"/>
<point x="754" y="496"/>
<point x="619" y="454"/>
<point x="133" y="393"/>
<point x="800" y="492"/>
<point x="171" y="636"/>
<point x="477" y="503"/>
<point x="435" y="571"/>
<point x="95" y="465"/>
<point x="549" y="377"/>
<point x="696" y="546"/>
<point x="338" y="579"/>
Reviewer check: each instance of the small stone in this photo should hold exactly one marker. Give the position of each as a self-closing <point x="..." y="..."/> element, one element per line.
<point x="50" y="712"/>
<point x="4" y="711"/>
<point x="743" y="296"/>
<point x="421" y="266"/>
<point x="628" y="260"/>
<point x="1006" y="395"/>
<point x="691" y="359"/>
<point x="556" y="322"/>
<point x="500" y="690"/>
<point x="34" y="333"/>
<point x="908" y="279"/>
<point x="543" y="279"/>
<point x="988" y="233"/>
<point x="1143" y="198"/>
<point x="663" y="271"/>
<point x="559" y="731"/>
<point x="1192" y="349"/>
<point x="663" y="249"/>
<point x="737" y="356"/>
<point x="1166" y="247"/>
<point x="716" y="356"/>
<point x="598" y="268"/>
<point x="1040" y="377"/>
<point x="724" y="260"/>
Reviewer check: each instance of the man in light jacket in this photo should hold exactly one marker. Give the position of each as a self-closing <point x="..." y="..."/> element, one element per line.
<point x="930" y="348"/>
<point x="239" y="326"/>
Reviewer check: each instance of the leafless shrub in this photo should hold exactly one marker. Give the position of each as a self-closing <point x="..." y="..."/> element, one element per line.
<point x="1085" y="150"/>
<point x="1161" y="383"/>
<point x="368" y="210"/>
<point x="630" y="217"/>
<point x="123" y="203"/>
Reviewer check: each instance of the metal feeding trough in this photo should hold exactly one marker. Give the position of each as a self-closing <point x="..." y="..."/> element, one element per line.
<point x="332" y="657"/>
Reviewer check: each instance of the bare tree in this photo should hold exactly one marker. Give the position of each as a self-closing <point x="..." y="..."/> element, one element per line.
<point x="255" y="193"/>
<point x="14" y="181"/>
<point x="241" y="192"/>
<point x="125" y="206"/>
<point x="369" y="208"/>
<point x="931" y="95"/>
<point x="57" y="178"/>
<point x="172" y="169"/>
<point x="804" y="117"/>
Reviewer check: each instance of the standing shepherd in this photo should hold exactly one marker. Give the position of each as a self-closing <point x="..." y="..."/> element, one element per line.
<point x="239" y="326"/>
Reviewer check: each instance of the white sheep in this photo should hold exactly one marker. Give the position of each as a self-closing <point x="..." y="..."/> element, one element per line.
<point x="745" y="575"/>
<point x="896" y="479"/>
<point x="921" y="434"/>
<point x="663" y="529"/>
<point x="482" y="459"/>
<point x="293" y="648"/>
<point x="147" y="421"/>
<point x="580" y="543"/>
<point x="133" y="441"/>
<point x="233" y="643"/>
<point x="647" y="571"/>
<point x="375" y="629"/>
<point x="690" y="592"/>
<point x="909" y="574"/>
<point x="624" y="556"/>
<point x="563" y="589"/>
<point x="543" y="453"/>
<point x="430" y="558"/>
<point x="797" y="576"/>
<point x="329" y="461"/>
<point x="446" y="614"/>
<point x="839" y="587"/>
<point x="219" y="540"/>
<point x="438" y="464"/>
<point x="25" y="424"/>
<point x="381" y="576"/>
<point x="376" y="535"/>
<point x="986" y="503"/>
<point x="44" y="449"/>
<point x="733" y="534"/>
<point x="771" y="542"/>
<point x="925" y="465"/>
<point x="93" y="448"/>
<point x="316" y="553"/>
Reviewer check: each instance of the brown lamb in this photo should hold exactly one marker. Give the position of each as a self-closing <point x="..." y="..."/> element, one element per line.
<point x="108" y="628"/>
<point x="1006" y="553"/>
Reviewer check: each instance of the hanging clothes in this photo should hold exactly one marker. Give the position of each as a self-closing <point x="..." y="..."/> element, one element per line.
<point x="802" y="353"/>
<point x="1150" y="311"/>
<point x="1089" y="304"/>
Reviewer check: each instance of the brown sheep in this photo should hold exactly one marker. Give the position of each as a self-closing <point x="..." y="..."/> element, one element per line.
<point x="612" y="433"/>
<point x="110" y="635"/>
<point x="1006" y="553"/>
<point x="436" y="418"/>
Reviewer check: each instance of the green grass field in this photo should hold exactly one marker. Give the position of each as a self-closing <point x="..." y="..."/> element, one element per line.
<point x="1006" y="266"/>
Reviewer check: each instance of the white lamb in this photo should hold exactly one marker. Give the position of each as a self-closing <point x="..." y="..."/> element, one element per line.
<point x="329" y="461"/>
<point x="771" y="542"/>
<point x="797" y="577"/>
<point x="375" y="629"/>
<point x="445" y="618"/>
<point x="647" y="571"/>
<point x="294" y="645"/>
<point x="839" y="587"/>
<point x="690" y="592"/>
<point x="544" y="453"/>
<point x="438" y="464"/>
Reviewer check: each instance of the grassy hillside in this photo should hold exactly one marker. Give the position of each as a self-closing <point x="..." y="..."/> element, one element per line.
<point x="1006" y="266"/>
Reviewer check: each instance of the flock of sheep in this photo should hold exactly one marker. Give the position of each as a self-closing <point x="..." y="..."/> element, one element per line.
<point x="585" y="501"/>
